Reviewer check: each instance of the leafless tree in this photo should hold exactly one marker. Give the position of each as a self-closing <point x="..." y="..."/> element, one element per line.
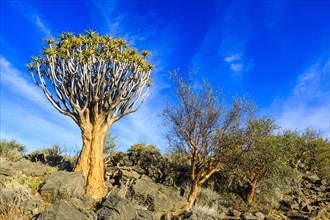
<point x="95" y="80"/>
<point x="202" y="127"/>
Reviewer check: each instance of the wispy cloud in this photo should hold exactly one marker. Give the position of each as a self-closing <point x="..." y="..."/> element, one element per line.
<point x="235" y="37"/>
<point x="224" y="45"/>
<point x="29" y="116"/>
<point x="308" y="104"/>
<point x="33" y="16"/>
<point x="42" y="27"/>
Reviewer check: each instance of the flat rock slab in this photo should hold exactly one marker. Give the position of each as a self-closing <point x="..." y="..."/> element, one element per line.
<point x="23" y="166"/>
<point x="158" y="197"/>
<point x="115" y="208"/>
<point x="61" y="210"/>
<point x="63" y="185"/>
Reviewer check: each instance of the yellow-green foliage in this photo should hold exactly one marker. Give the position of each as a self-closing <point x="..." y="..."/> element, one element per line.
<point x="53" y="151"/>
<point x="12" y="150"/>
<point x="31" y="182"/>
<point x="142" y="147"/>
<point x="6" y="145"/>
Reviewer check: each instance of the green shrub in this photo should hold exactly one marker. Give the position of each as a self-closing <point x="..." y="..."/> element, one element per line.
<point x="142" y="147"/>
<point x="109" y="143"/>
<point x="31" y="182"/>
<point x="6" y="146"/>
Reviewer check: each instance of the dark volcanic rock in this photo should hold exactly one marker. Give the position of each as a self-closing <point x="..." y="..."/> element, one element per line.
<point x="60" y="211"/>
<point x="114" y="208"/>
<point x="157" y="197"/>
<point x="23" y="166"/>
<point x="63" y="185"/>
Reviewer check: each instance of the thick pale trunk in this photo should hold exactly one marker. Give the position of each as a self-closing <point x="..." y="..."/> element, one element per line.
<point x="251" y="194"/>
<point x="192" y="196"/>
<point x="91" y="163"/>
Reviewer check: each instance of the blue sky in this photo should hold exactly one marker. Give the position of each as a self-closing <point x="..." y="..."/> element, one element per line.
<point x="276" y="52"/>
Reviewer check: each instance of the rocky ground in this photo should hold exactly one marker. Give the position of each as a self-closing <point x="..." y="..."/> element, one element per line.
<point x="141" y="186"/>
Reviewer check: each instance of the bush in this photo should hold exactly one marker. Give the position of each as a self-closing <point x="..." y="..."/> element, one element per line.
<point x="12" y="150"/>
<point x="53" y="156"/>
<point x="142" y="147"/>
<point x="6" y="146"/>
<point x="109" y="144"/>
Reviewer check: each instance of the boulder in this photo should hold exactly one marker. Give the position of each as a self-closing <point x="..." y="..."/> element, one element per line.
<point x="80" y="206"/>
<point x="157" y="197"/>
<point x="321" y="214"/>
<point x="234" y="213"/>
<point x="61" y="210"/>
<point x="63" y="185"/>
<point x="114" y="208"/>
<point x="296" y="215"/>
<point x="142" y="214"/>
<point x="259" y="215"/>
<point x="248" y="216"/>
<point x="23" y="166"/>
<point x="308" y="208"/>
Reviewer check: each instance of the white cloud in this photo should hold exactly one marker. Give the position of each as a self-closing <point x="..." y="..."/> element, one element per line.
<point x="14" y="81"/>
<point x="308" y="104"/>
<point x="236" y="67"/>
<point x="33" y="16"/>
<point x="42" y="27"/>
<point x="232" y="58"/>
<point x="27" y="115"/>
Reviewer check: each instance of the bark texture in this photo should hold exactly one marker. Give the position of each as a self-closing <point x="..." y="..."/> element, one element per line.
<point x="90" y="161"/>
<point x="192" y="196"/>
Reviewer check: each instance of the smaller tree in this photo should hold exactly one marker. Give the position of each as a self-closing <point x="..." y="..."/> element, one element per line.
<point x="311" y="152"/>
<point x="203" y="128"/>
<point x="266" y="156"/>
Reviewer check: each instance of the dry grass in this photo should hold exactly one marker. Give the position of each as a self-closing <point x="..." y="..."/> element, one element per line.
<point x="12" y="199"/>
<point x="205" y="210"/>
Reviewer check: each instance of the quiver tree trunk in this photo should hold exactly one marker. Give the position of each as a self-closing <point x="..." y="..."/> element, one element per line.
<point x="90" y="161"/>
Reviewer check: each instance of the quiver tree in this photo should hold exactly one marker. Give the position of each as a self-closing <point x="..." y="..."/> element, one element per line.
<point x="205" y="130"/>
<point x="95" y="80"/>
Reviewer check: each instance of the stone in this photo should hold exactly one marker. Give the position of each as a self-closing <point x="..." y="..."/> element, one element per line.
<point x="63" y="185"/>
<point x="296" y="215"/>
<point x="313" y="178"/>
<point x="248" y="216"/>
<point x="61" y="210"/>
<point x="322" y="214"/>
<point x="31" y="205"/>
<point x="157" y="197"/>
<point x="142" y="214"/>
<point x="23" y="166"/>
<point x="308" y="208"/>
<point x="259" y="215"/>
<point x="234" y="213"/>
<point x="114" y="208"/>
<point x="80" y="206"/>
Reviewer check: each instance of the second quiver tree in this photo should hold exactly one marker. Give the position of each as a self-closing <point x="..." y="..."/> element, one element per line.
<point x="95" y="80"/>
<point x="205" y="130"/>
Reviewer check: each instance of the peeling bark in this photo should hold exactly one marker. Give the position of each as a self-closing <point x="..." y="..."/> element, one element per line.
<point x="91" y="162"/>
<point x="192" y="196"/>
